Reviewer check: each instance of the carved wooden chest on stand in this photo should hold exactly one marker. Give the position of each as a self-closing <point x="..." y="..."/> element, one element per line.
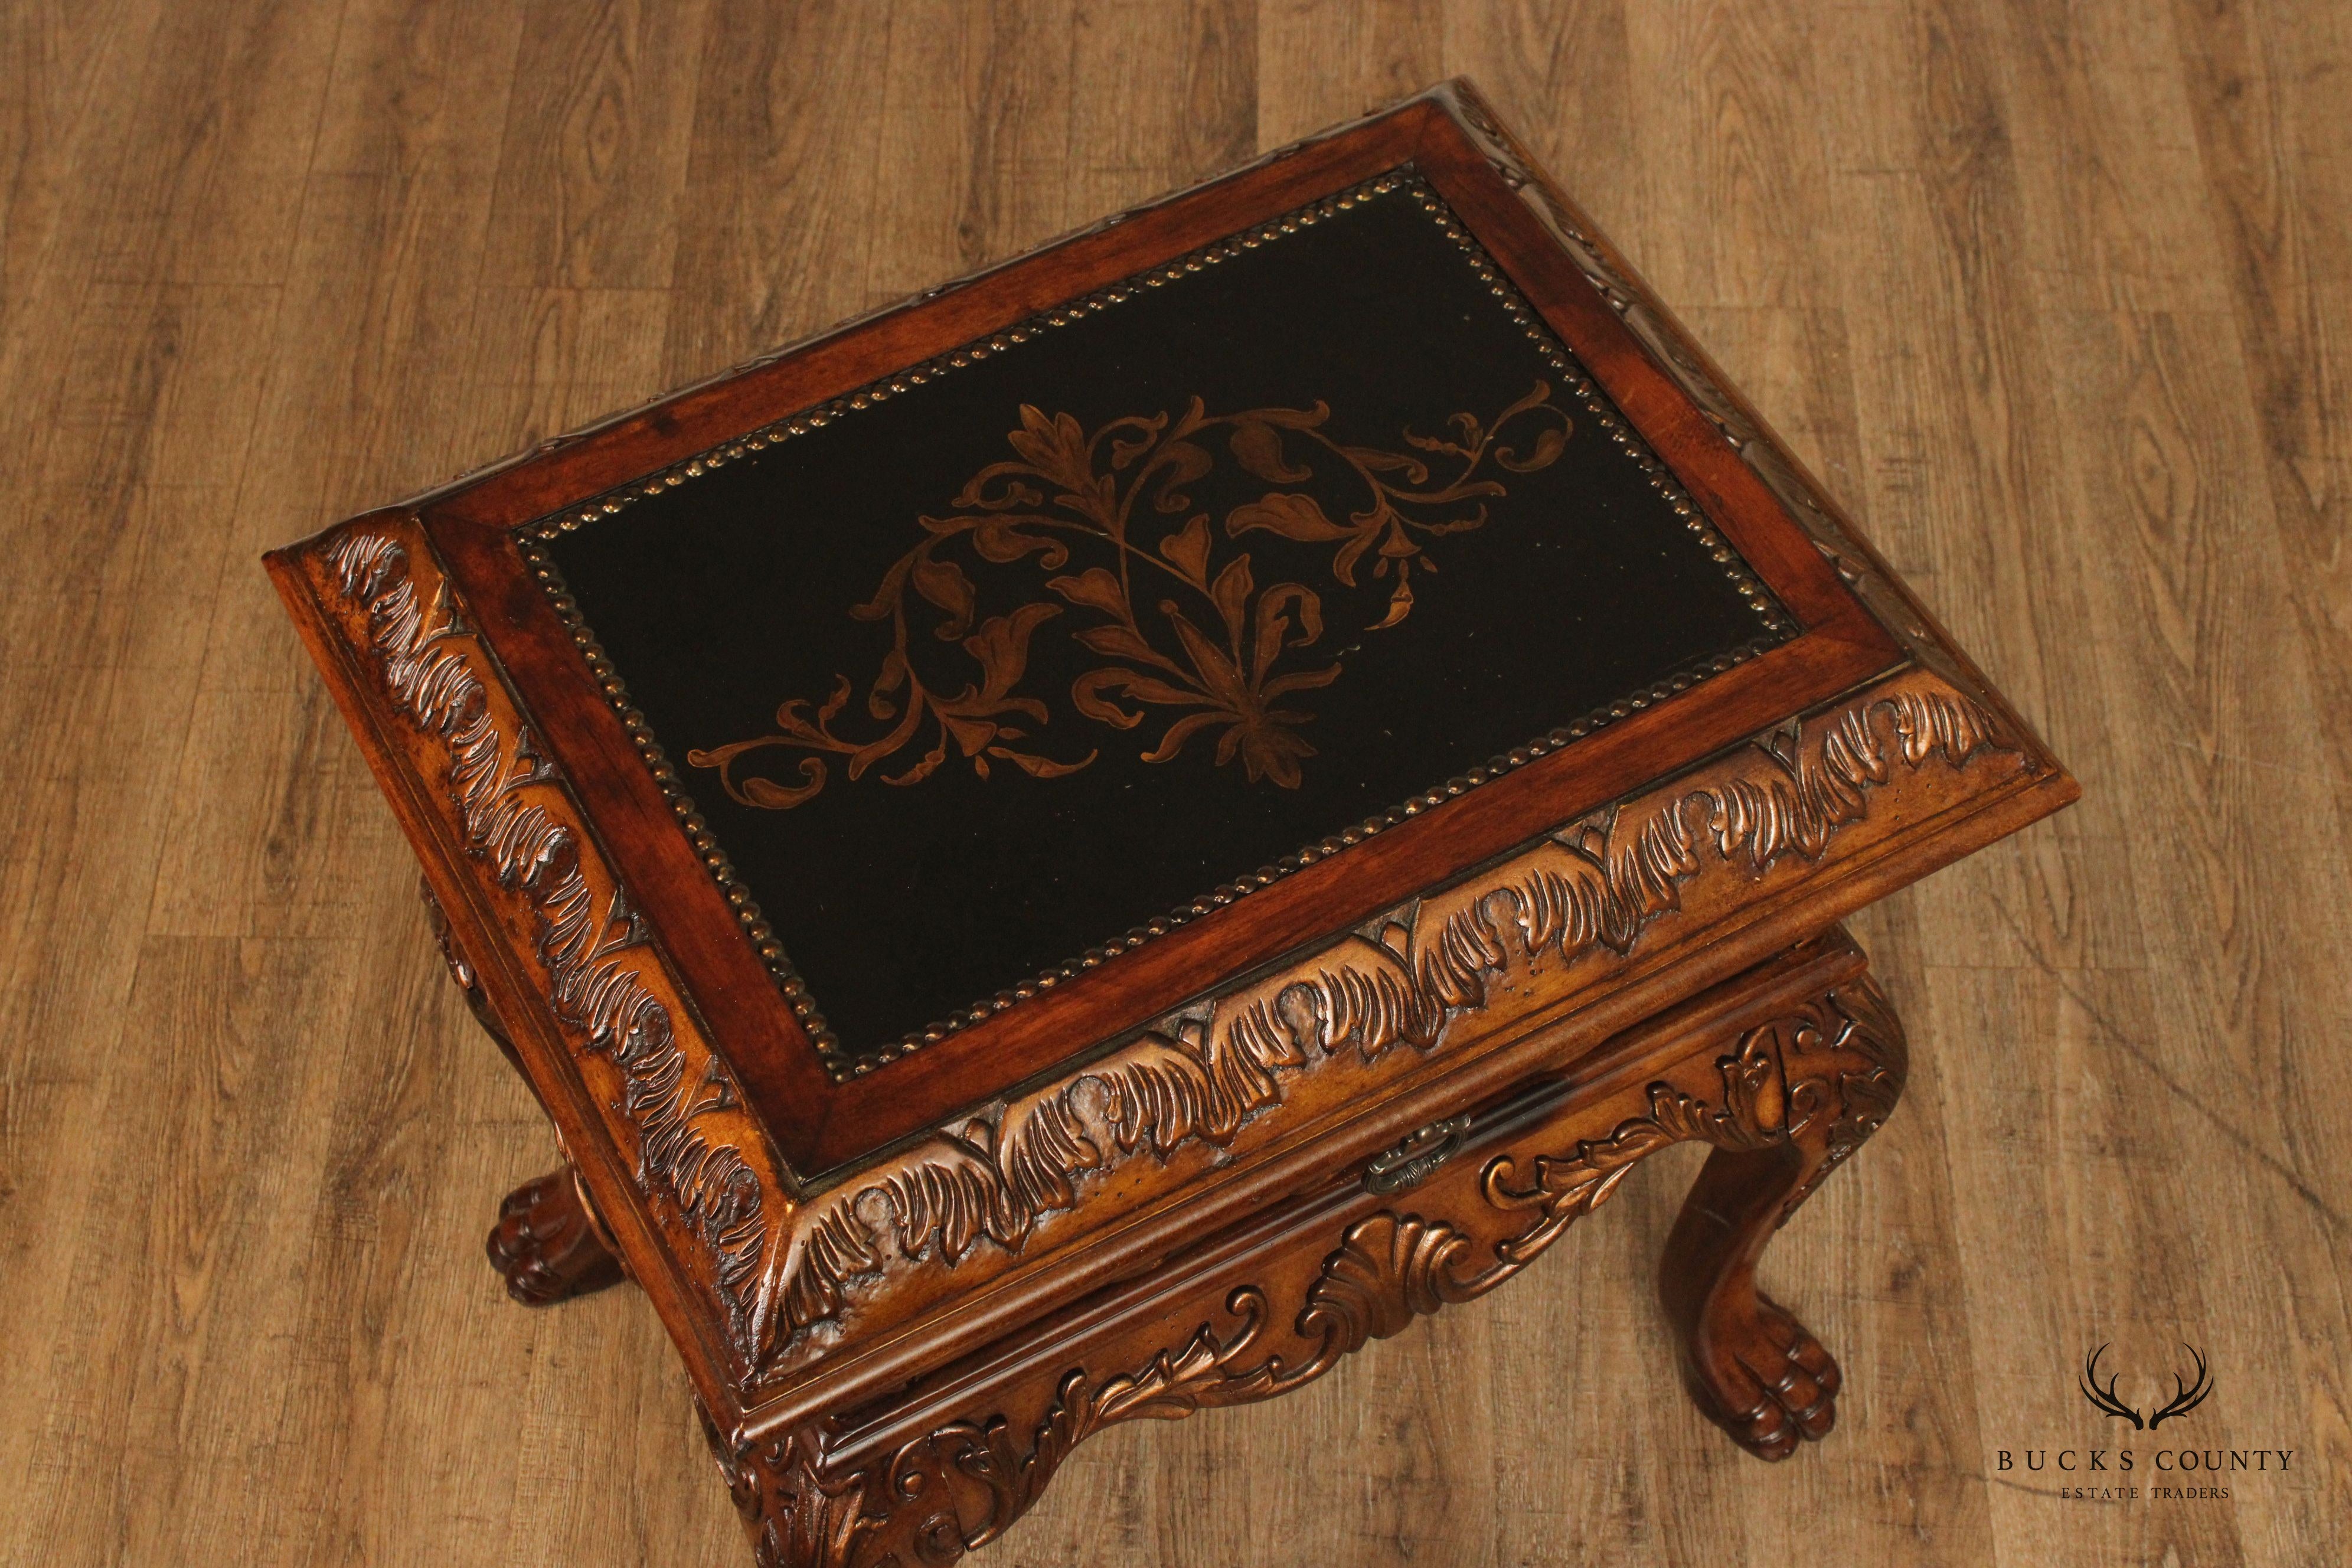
<point x="1080" y="847"/>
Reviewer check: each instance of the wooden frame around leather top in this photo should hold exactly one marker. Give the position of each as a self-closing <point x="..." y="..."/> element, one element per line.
<point x="727" y="1159"/>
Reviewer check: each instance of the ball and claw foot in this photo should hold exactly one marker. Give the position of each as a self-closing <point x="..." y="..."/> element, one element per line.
<point x="1766" y="1381"/>
<point x="546" y="1245"/>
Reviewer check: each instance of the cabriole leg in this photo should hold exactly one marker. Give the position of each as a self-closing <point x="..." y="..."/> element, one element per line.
<point x="1750" y="1365"/>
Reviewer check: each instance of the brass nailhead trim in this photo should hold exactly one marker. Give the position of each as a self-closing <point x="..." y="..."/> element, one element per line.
<point x="839" y="1064"/>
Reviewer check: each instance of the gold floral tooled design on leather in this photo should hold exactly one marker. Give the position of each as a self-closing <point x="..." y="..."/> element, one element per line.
<point x="1209" y="649"/>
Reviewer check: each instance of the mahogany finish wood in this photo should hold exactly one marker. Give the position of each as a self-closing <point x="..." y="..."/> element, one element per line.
<point x="820" y="1124"/>
<point x="1201" y="1171"/>
<point x="824" y="1125"/>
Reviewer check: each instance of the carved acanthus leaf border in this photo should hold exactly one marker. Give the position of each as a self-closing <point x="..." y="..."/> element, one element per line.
<point x="1203" y="1075"/>
<point x="671" y="1102"/>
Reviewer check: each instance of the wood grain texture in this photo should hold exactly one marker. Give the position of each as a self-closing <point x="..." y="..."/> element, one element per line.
<point x="2054" y="299"/>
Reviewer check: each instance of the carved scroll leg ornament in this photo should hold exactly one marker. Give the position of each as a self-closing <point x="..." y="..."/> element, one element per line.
<point x="1792" y="1099"/>
<point x="1750" y="1365"/>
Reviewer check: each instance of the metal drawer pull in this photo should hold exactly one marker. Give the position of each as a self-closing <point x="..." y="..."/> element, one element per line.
<point x="1411" y="1163"/>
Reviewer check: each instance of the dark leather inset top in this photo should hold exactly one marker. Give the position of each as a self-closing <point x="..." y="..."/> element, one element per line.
<point x="983" y="675"/>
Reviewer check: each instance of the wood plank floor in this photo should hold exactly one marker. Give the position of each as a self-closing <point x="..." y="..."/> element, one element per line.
<point x="2058" y="298"/>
